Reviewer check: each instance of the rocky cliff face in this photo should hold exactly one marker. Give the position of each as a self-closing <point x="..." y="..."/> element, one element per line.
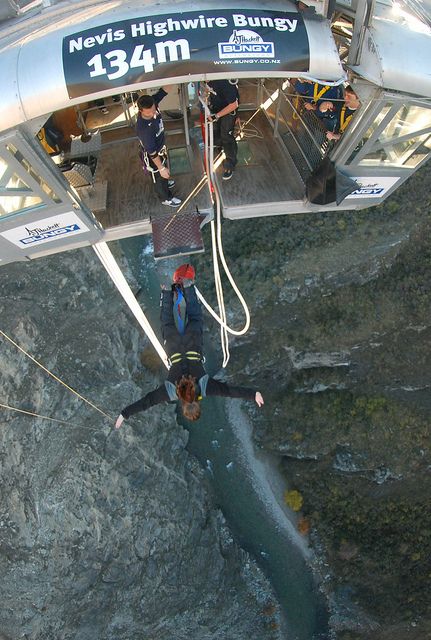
<point x="111" y="535"/>
<point x="340" y="344"/>
<point x="104" y="534"/>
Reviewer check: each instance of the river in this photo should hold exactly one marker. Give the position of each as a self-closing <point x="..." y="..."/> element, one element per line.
<point x="245" y="482"/>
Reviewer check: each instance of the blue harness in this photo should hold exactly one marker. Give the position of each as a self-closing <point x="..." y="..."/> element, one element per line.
<point x="179" y="310"/>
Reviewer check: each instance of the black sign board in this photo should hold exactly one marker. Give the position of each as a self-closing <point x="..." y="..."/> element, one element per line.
<point x="190" y="43"/>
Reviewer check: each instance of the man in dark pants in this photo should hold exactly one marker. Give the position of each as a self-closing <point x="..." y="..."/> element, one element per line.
<point x="223" y="101"/>
<point x="187" y="380"/>
<point x="151" y="134"/>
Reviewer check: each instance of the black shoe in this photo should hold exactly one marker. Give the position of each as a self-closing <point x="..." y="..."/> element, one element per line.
<point x="171" y="184"/>
<point x="227" y="174"/>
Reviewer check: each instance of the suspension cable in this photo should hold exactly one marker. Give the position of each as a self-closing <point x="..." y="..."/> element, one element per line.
<point x="38" y="415"/>
<point x="107" y="259"/>
<point x="39" y="364"/>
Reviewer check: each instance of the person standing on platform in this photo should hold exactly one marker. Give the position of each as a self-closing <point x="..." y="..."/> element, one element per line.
<point x="151" y="134"/>
<point x="223" y="101"/>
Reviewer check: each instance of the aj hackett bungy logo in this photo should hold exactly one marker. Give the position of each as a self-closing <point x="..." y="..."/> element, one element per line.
<point x="66" y="224"/>
<point x="372" y="187"/>
<point x="191" y="43"/>
<point x="246" y="44"/>
<point x="46" y="233"/>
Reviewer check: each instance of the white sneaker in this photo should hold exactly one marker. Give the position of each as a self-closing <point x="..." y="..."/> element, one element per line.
<point x="173" y="202"/>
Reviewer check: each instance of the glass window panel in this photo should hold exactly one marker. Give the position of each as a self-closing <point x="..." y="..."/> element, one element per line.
<point x="29" y="169"/>
<point x="400" y="154"/>
<point x="16" y="183"/>
<point x="13" y="204"/>
<point x="375" y="158"/>
<point x="373" y="126"/>
<point x="409" y="152"/>
<point x="408" y="119"/>
<point x="401" y="149"/>
<point x="419" y="153"/>
<point x="380" y="117"/>
<point x="179" y="160"/>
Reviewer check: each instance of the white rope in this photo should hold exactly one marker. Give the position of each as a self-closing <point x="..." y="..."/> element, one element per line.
<point x="107" y="259"/>
<point x="224" y="338"/>
<point x="218" y="253"/>
<point x="234" y="332"/>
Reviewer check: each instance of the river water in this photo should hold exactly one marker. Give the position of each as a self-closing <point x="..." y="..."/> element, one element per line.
<point x="243" y="480"/>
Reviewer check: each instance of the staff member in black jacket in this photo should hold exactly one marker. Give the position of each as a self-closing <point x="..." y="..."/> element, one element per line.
<point x="187" y="380"/>
<point x="151" y="134"/>
<point x="223" y="101"/>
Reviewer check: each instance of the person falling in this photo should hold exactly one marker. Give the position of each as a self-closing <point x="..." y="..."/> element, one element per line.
<point x="187" y="380"/>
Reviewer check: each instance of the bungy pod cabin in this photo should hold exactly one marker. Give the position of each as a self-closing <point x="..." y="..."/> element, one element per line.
<point x="72" y="71"/>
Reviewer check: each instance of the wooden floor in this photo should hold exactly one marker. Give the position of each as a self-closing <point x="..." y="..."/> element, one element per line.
<point x="264" y="181"/>
<point x="131" y="196"/>
<point x="264" y="174"/>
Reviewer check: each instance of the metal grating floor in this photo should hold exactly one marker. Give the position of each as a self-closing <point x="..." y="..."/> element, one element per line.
<point x="176" y="234"/>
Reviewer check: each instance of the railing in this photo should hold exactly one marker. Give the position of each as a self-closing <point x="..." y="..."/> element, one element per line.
<point x="302" y="133"/>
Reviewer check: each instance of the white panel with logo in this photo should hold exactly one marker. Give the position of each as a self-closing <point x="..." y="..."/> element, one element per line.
<point x="45" y="230"/>
<point x="372" y="187"/>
